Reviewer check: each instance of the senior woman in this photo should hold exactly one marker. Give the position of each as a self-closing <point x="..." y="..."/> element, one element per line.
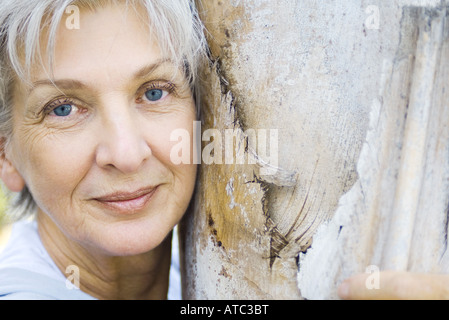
<point x="86" y="116"/>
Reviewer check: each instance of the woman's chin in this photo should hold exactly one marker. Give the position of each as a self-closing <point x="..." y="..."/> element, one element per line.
<point x="128" y="241"/>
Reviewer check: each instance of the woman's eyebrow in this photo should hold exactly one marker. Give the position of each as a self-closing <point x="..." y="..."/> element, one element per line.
<point x="146" y="71"/>
<point x="59" y="84"/>
<point x="66" y="84"/>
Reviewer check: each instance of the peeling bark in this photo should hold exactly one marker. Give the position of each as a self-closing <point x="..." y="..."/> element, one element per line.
<point x="395" y="216"/>
<point x="321" y="76"/>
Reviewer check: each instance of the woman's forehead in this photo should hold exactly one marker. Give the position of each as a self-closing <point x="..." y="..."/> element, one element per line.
<point x="110" y="44"/>
<point x="111" y="36"/>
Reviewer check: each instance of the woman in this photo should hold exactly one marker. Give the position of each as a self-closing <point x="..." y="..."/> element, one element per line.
<point x="91" y="91"/>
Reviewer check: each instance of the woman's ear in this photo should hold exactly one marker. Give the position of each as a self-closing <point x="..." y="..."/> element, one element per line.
<point x="8" y="173"/>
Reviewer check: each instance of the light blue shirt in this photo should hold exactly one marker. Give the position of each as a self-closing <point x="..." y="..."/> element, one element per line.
<point x="28" y="272"/>
<point x="21" y="284"/>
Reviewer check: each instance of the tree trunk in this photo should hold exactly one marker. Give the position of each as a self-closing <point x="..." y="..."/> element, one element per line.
<point x="323" y="99"/>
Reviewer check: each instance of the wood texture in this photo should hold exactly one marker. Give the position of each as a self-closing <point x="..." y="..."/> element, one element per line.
<point x="396" y="215"/>
<point x="319" y="73"/>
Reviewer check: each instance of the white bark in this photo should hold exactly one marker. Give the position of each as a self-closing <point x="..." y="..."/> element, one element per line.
<point x="395" y="217"/>
<point x="321" y="73"/>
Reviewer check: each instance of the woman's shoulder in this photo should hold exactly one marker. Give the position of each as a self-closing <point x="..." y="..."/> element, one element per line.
<point x="28" y="272"/>
<point x="25" y="250"/>
<point x="21" y="284"/>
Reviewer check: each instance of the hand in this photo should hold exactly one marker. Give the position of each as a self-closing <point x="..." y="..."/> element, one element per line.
<point x="396" y="286"/>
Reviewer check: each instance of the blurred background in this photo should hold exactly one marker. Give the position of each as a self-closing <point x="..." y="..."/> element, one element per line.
<point x="5" y="226"/>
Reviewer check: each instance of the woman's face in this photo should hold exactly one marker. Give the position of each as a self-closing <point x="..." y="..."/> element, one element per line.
<point x="95" y="150"/>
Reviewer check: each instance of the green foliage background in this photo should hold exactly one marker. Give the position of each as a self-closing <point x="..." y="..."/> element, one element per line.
<point x="3" y="218"/>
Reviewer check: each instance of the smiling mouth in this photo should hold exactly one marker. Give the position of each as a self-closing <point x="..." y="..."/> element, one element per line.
<point x="127" y="203"/>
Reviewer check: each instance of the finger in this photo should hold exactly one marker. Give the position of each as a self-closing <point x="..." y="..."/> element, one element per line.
<point x="395" y="286"/>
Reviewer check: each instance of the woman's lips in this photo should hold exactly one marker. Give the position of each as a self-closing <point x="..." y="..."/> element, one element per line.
<point x="127" y="203"/>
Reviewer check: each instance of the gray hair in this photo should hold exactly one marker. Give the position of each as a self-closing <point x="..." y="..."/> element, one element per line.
<point x="175" y="23"/>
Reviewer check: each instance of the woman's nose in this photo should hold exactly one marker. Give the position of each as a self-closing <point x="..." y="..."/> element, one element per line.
<point x="123" y="144"/>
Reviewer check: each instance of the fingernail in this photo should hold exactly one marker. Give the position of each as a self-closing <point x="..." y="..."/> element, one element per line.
<point x="343" y="290"/>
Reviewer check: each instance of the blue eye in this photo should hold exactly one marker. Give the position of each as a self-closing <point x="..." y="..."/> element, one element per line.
<point x="63" y="110"/>
<point x="154" y="94"/>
